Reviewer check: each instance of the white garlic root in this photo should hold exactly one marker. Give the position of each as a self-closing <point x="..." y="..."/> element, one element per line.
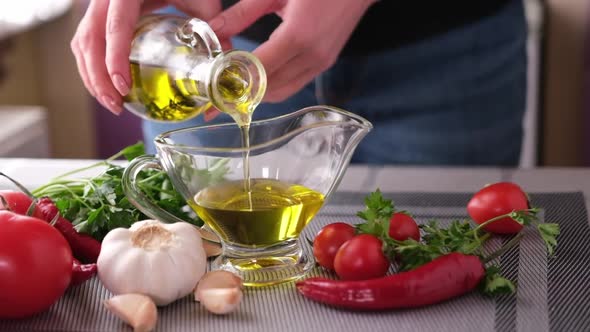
<point x="137" y="310"/>
<point x="220" y="292"/>
<point x="211" y="249"/>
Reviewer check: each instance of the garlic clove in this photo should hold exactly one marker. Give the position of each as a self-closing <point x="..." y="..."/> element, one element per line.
<point x="209" y="236"/>
<point x="137" y="310"/>
<point x="211" y="249"/>
<point x="221" y="300"/>
<point x="217" y="279"/>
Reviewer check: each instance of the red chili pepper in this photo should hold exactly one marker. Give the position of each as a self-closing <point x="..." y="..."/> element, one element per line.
<point x="85" y="247"/>
<point x="82" y="272"/>
<point x="18" y="202"/>
<point x="443" y="278"/>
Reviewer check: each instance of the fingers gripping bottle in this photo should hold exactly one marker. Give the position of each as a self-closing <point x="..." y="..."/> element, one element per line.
<point x="178" y="71"/>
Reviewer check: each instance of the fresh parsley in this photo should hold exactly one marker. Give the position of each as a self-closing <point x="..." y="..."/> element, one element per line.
<point x="377" y="215"/>
<point x="495" y="284"/>
<point x="95" y="205"/>
<point x="461" y="236"/>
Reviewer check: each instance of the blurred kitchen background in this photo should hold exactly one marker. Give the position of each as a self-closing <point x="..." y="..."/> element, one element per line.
<point x="45" y="112"/>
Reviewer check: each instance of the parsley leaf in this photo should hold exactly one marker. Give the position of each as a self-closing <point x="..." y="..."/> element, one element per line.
<point x="133" y="151"/>
<point x="458" y="237"/>
<point x="95" y="205"/>
<point x="549" y="233"/>
<point x="412" y="254"/>
<point x="376" y="207"/>
<point x="494" y="284"/>
<point x="436" y="241"/>
<point x="377" y="214"/>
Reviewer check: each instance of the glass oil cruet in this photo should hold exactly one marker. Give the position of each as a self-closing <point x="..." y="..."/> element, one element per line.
<point x="179" y="70"/>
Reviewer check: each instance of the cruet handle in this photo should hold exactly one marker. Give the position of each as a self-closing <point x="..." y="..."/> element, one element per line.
<point x="196" y="31"/>
<point x="144" y="203"/>
<point x="136" y="195"/>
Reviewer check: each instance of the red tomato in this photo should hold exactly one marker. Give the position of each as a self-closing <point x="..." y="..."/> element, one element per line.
<point x="328" y="240"/>
<point x="495" y="200"/>
<point x="361" y="258"/>
<point x="17" y="202"/>
<point x="35" y="265"/>
<point x="402" y="227"/>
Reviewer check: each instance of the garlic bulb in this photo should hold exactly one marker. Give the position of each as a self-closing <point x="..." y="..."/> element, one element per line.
<point x="162" y="261"/>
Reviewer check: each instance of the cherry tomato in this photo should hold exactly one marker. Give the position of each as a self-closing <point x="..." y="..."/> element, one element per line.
<point x="402" y="227"/>
<point x="495" y="200"/>
<point x="328" y="240"/>
<point x="361" y="258"/>
<point x="35" y="265"/>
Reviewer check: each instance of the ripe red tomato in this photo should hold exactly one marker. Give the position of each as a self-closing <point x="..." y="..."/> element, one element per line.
<point x="35" y="265"/>
<point x="328" y="240"/>
<point x="402" y="227"/>
<point x="361" y="258"/>
<point x="495" y="200"/>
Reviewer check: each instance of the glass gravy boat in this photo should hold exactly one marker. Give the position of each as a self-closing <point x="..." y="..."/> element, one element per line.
<point x="257" y="199"/>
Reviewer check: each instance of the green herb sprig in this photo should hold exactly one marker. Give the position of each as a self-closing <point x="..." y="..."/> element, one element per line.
<point x="461" y="236"/>
<point x="95" y="205"/>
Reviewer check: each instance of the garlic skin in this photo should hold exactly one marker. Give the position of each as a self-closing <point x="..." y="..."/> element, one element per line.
<point x="162" y="261"/>
<point x="137" y="310"/>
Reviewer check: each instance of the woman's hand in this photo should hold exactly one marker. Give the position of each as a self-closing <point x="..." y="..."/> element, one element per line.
<point x="306" y="43"/>
<point x="102" y="42"/>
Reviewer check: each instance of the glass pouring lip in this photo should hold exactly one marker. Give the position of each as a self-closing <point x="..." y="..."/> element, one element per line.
<point x="362" y="123"/>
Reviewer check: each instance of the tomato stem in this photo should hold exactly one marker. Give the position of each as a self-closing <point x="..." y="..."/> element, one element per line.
<point x="31" y="209"/>
<point x="20" y="186"/>
<point x="489" y="221"/>
<point x="482" y="239"/>
<point x="4" y="203"/>
<point x="514" y="241"/>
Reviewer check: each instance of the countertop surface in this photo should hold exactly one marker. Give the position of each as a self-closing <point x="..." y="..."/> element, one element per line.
<point x="552" y="292"/>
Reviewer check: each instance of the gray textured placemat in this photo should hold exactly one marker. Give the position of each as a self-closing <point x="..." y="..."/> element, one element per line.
<point x="552" y="293"/>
